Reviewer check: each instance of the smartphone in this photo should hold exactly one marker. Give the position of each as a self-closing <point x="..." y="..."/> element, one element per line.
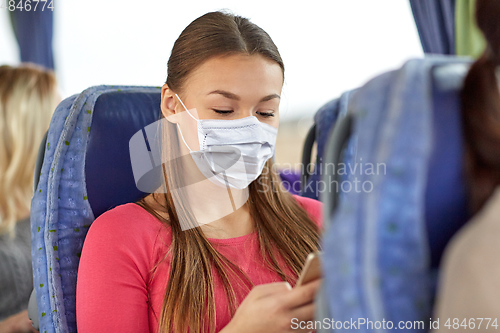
<point x="311" y="270"/>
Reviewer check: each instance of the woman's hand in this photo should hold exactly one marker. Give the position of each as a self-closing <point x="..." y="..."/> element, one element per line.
<point x="18" y="323"/>
<point x="271" y="308"/>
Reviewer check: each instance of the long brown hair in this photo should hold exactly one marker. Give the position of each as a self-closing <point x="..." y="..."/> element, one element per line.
<point x="283" y="227"/>
<point x="481" y="110"/>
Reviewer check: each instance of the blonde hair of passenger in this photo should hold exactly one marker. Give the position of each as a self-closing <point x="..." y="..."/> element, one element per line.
<point x="28" y="97"/>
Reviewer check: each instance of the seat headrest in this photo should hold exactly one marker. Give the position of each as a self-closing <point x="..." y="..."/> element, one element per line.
<point x="108" y="169"/>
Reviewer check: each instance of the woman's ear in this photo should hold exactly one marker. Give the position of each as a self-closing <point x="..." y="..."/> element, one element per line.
<point x="168" y="102"/>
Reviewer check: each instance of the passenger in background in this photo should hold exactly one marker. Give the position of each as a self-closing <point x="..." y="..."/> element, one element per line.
<point x="28" y="97"/>
<point x="470" y="281"/>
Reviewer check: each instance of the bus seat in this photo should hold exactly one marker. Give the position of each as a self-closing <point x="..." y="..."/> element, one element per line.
<point x="383" y="244"/>
<point x="324" y="120"/>
<point x="86" y="170"/>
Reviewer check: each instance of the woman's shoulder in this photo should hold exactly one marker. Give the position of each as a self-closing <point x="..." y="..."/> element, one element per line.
<point x="313" y="207"/>
<point x="126" y="224"/>
<point x="128" y="216"/>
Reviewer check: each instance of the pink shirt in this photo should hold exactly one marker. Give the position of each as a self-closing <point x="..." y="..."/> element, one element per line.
<point x="115" y="280"/>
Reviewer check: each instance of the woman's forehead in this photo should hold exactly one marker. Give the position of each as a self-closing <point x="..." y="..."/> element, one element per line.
<point x="239" y="74"/>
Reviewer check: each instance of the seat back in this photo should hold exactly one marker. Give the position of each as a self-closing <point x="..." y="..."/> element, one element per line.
<point x="86" y="170"/>
<point x="324" y="121"/>
<point x="384" y="241"/>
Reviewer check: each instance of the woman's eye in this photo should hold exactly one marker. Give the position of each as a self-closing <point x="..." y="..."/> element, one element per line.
<point x="223" y="111"/>
<point x="266" y="114"/>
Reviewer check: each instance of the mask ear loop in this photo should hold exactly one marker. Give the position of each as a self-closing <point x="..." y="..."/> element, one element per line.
<point x="178" y="127"/>
<point x="185" y="108"/>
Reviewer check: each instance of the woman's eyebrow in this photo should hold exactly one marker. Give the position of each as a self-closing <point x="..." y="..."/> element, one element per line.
<point x="226" y="94"/>
<point x="230" y="95"/>
<point x="269" y="97"/>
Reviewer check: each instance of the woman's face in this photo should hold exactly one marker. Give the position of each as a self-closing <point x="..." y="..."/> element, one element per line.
<point x="230" y="87"/>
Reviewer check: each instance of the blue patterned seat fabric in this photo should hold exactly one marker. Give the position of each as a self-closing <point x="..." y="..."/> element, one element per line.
<point x="325" y="119"/>
<point x="383" y="246"/>
<point x="86" y="170"/>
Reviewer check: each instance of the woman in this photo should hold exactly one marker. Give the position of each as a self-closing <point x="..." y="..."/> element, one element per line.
<point x="28" y="96"/>
<point x="469" y="282"/>
<point x="219" y="249"/>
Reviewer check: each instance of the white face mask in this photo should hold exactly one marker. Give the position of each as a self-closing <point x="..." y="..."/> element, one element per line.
<point x="232" y="152"/>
